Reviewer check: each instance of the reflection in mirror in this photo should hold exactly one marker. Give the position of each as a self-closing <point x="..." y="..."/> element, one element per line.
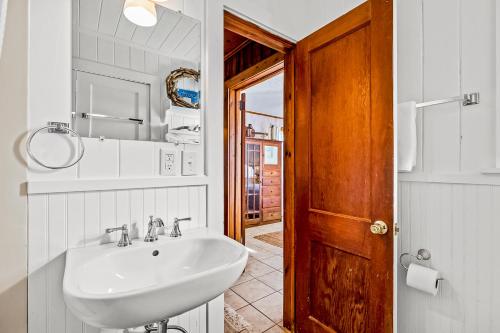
<point x="120" y="73"/>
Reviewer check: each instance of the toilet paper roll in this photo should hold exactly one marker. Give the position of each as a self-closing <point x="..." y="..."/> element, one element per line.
<point x="423" y="278"/>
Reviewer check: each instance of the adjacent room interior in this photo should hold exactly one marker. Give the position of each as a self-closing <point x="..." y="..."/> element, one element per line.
<point x="256" y="299"/>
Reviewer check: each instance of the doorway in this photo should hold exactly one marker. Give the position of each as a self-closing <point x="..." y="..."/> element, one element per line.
<point x="258" y="295"/>
<point x="255" y="123"/>
<point x="337" y="170"/>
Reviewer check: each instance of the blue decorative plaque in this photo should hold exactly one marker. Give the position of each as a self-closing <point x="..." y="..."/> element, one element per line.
<point x="193" y="95"/>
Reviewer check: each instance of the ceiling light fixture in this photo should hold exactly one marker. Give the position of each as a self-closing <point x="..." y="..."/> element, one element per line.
<point x="140" y="12"/>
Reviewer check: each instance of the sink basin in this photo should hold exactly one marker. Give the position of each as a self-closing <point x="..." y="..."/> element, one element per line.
<point x="111" y="287"/>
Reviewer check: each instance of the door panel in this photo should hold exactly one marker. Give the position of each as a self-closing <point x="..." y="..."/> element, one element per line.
<point x="343" y="162"/>
<point x="344" y="174"/>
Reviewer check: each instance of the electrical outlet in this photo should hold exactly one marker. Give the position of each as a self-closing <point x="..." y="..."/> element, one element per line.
<point x="167" y="162"/>
<point x="189" y="163"/>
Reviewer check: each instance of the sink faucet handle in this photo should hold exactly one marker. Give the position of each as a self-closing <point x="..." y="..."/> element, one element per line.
<point x="122" y="228"/>
<point x="159" y="222"/>
<point x="152" y="234"/>
<point x="124" y="239"/>
<point x="176" y="231"/>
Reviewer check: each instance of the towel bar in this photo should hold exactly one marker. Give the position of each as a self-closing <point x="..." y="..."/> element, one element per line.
<point x="468" y="99"/>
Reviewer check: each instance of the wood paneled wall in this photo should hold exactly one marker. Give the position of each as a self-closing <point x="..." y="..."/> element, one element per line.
<point x="248" y="56"/>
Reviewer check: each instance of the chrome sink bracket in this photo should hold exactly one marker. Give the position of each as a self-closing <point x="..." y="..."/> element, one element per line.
<point x="163" y="327"/>
<point x="124" y="239"/>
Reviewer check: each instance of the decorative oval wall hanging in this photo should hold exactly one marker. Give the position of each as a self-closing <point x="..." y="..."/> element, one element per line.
<point x="173" y="92"/>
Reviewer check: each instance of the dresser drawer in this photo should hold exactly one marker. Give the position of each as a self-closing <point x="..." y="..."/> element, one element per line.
<point x="268" y="202"/>
<point x="271" y="173"/>
<point x="270" y="181"/>
<point x="271" y="191"/>
<point x="270" y="214"/>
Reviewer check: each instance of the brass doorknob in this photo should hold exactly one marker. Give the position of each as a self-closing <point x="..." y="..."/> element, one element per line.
<point x="378" y="228"/>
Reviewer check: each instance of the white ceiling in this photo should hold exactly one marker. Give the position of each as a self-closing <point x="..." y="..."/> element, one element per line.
<point x="175" y="35"/>
<point x="266" y="97"/>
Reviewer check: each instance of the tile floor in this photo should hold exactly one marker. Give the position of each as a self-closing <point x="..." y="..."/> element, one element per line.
<point x="258" y="294"/>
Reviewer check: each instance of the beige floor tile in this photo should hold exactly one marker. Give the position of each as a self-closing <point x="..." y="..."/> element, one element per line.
<point x="259" y="322"/>
<point x="257" y="268"/>
<point x="273" y="249"/>
<point x="244" y="277"/>
<point x="252" y="290"/>
<point x="271" y="306"/>
<point x="234" y="300"/>
<point x="275" y="329"/>
<point x="260" y="254"/>
<point x="275" y="262"/>
<point x="273" y="280"/>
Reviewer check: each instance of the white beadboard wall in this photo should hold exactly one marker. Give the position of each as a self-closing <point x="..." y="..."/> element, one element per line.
<point x="458" y="223"/>
<point x="52" y="222"/>
<point x="66" y="220"/>
<point x="447" y="48"/>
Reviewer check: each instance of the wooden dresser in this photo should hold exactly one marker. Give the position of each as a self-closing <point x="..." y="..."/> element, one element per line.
<point x="263" y="172"/>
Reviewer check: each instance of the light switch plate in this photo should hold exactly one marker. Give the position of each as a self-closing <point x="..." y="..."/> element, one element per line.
<point x="167" y="162"/>
<point x="189" y="163"/>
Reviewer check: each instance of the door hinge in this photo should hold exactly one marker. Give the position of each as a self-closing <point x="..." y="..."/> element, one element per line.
<point x="396" y="229"/>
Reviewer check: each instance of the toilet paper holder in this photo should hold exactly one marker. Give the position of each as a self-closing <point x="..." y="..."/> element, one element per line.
<point x="422" y="254"/>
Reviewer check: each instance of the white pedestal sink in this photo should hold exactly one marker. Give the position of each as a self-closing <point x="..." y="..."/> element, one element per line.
<point x="111" y="287"/>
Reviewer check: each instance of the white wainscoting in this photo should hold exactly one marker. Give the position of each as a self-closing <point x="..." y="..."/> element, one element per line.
<point x="460" y="225"/>
<point x="65" y="220"/>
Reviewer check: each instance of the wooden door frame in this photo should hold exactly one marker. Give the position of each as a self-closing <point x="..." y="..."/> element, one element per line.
<point x="284" y="62"/>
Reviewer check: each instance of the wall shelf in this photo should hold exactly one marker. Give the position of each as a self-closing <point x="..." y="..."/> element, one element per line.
<point x="84" y="185"/>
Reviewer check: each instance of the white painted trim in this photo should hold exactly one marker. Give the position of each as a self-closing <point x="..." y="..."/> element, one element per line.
<point x="113" y="71"/>
<point x="259" y="24"/>
<point x="85" y="185"/>
<point x="497" y="102"/>
<point x="3" y="18"/>
<point x="465" y="178"/>
<point x="492" y="171"/>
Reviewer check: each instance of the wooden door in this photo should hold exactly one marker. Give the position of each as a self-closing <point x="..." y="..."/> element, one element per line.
<point x="344" y="174"/>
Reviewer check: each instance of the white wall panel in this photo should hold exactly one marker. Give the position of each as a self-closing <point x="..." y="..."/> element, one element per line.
<point x="441" y="80"/>
<point x="67" y="220"/>
<point x="452" y="44"/>
<point x="447" y="48"/>
<point x="136" y="159"/>
<point x="478" y="74"/>
<point x="458" y="224"/>
<point x="101" y="159"/>
<point x="105" y="51"/>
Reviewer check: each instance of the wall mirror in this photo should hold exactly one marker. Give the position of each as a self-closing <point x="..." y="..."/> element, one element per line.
<point x="121" y="73"/>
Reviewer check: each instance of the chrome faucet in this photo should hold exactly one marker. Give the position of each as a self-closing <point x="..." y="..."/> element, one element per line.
<point x="176" y="231"/>
<point x="124" y="239"/>
<point x="153" y="224"/>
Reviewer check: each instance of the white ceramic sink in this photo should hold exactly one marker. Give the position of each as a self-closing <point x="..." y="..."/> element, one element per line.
<point x="111" y="287"/>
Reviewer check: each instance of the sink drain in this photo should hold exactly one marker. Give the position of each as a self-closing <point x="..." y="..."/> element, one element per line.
<point x="155" y="253"/>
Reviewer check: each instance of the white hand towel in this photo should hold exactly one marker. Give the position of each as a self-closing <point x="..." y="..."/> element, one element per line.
<point x="407" y="136"/>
